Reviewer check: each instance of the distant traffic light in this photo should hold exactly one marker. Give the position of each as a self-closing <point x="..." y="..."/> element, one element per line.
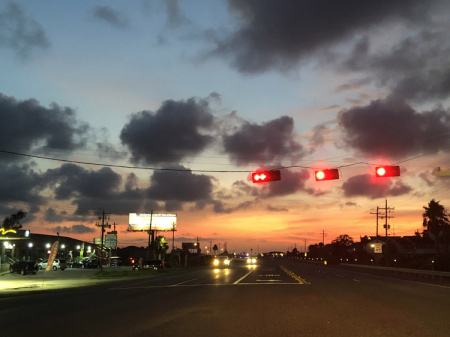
<point x="387" y="171"/>
<point x="328" y="174"/>
<point x="263" y="176"/>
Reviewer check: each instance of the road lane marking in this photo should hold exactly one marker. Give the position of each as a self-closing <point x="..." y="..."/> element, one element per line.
<point x="243" y="277"/>
<point x="294" y="276"/>
<point x="194" y="279"/>
<point x="205" y="285"/>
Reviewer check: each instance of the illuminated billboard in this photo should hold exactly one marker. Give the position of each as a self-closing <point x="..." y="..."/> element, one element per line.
<point x="159" y="222"/>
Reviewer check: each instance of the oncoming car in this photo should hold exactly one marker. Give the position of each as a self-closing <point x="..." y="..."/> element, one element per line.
<point x="221" y="261"/>
<point x="252" y="260"/>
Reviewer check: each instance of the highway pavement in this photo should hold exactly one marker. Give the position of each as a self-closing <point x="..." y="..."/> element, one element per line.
<point x="275" y="298"/>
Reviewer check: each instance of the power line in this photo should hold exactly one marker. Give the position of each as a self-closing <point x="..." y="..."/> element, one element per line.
<point x="188" y="170"/>
<point x="121" y="166"/>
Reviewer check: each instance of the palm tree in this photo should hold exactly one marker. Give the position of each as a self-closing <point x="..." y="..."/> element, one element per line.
<point x="435" y="219"/>
<point x="160" y="246"/>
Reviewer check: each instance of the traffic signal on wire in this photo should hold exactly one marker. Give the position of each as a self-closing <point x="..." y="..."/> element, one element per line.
<point x="328" y="174"/>
<point x="263" y="176"/>
<point x="387" y="171"/>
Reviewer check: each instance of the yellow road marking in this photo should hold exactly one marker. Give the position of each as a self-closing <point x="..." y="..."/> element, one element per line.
<point x="294" y="276"/>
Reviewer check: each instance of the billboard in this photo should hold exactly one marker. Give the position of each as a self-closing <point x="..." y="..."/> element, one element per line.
<point x="159" y="222"/>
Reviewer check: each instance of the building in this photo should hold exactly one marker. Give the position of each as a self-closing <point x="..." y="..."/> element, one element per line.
<point x="24" y="245"/>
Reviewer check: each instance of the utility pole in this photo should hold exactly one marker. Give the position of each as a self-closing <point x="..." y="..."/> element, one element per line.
<point x="377" y="214"/>
<point x="386" y="211"/>
<point x="104" y="224"/>
<point x="323" y="237"/>
<point x="386" y="226"/>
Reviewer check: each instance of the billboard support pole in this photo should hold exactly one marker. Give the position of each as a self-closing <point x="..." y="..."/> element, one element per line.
<point x="150" y="237"/>
<point x="173" y="237"/>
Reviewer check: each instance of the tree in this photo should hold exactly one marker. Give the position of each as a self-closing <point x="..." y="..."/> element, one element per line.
<point x="160" y="246"/>
<point x="13" y="221"/>
<point x="340" y="245"/>
<point x="343" y="241"/>
<point x="435" y="219"/>
<point x="215" y="249"/>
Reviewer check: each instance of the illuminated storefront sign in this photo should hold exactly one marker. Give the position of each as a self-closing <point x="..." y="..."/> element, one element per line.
<point x="4" y="231"/>
<point x="11" y="234"/>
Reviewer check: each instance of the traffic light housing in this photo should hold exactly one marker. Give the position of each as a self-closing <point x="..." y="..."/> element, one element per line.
<point x="387" y="171"/>
<point x="264" y="176"/>
<point x="328" y="174"/>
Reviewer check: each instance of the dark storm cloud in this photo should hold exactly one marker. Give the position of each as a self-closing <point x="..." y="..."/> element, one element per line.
<point x="263" y="144"/>
<point x="71" y="181"/>
<point x="175" y="17"/>
<point x="291" y="183"/>
<point x="27" y="124"/>
<point x="416" y="68"/>
<point x="75" y="229"/>
<point x="20" y="32"/>
<point x="392" y="128"/>
<point x="94" y="190"/>
<point x="373" y="188"/>
<point x="51" y="215"/>
<point x="183" y="186"/>
<point x="318" y="137"/>
<point x="171" y="133"/>
<point x="220" y="207"/>
<point x="20" y="183"/>
<point x="278" y="34"/>
<point x="110" y="16"/>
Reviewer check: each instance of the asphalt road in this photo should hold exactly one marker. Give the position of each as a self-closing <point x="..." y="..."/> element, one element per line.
<point x="277" y="298"/>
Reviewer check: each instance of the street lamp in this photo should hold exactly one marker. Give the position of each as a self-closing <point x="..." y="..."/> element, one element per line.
<point x="30" y="245"/>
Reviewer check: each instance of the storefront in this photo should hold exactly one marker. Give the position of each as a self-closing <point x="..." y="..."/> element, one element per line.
<point x="12" y="243"/>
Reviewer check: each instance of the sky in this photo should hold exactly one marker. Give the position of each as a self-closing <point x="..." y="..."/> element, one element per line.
<point x="167" y="106"/>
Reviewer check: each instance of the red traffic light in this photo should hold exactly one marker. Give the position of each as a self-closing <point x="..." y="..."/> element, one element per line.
<point x="387" y="171"/>
<point x="263" y="176"/>
<point x="328" y="174"/>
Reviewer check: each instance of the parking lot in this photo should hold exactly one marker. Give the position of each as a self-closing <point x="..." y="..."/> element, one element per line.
<point x="70" y="277"/>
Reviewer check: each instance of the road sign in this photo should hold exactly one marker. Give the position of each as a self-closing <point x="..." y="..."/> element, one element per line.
<point x="110" y="241"/>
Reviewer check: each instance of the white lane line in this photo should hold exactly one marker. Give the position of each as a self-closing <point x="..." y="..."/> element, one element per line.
<point x="243" y="277"/>
<point x="194" y="279"/>
<point x="208" y="285"/>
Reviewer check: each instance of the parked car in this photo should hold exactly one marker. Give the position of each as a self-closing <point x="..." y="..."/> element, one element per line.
<point x="115" y="261"/>
<point x="76" y="264"/>
<point x="91" y="263"/>
<point x="23" y="267"/>
<point x="57" y="264"/>
<point x="149" y="264"/>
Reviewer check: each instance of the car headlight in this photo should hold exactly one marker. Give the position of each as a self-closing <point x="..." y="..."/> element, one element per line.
<point x="253" y="260"/>
<point x="227" y="262"/>
<point x="216" y="262"/>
